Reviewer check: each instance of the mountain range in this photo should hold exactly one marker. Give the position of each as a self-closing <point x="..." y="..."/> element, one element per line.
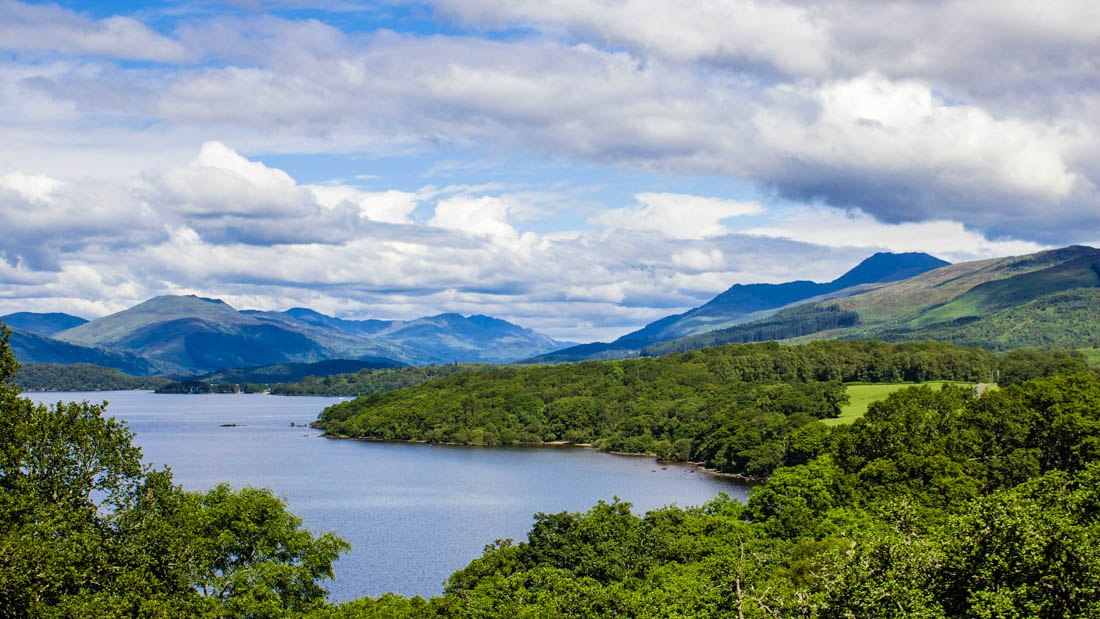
<point x="1046" y="299"/>
<point x="189" y="335"/>
<point x="747" y="302"/>
<point x="1049" y="298"/>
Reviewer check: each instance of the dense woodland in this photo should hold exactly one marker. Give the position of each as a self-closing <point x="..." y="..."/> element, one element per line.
<point x="366" y="382"/>
<point x="88" y="530"/>
<point x="937" y="503"/>
<point x="81" y="377"/>
<point x="743" y="409"/>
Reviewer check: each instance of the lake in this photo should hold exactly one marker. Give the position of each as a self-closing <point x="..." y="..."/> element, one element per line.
<point x="414" y="513"/>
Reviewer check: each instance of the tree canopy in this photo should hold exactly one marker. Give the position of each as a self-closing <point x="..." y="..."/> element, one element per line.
<point x="86" y="529"/>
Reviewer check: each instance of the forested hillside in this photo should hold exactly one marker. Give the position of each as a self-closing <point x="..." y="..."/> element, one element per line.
<point x="81" y="377"/>
<point x="1046" y="300"/>
<point x="740" y="409"/>
<point x="368" y="381"/>
<point x="935" y="504"/>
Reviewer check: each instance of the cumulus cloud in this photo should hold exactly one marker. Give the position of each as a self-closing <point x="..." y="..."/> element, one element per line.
<point x="481" y="216"/>
<point x="949" y="240"/>
<point x="390" y="206"/>
<point x="52" y="28"/>
<point x="677" y="215"/>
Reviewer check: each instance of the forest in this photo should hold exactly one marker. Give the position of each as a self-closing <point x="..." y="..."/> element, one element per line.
<point x="936" y="503"/>
<point x="740" y="409"/>
<point x="368" y="381"/>
<point x="81" y="377"/>
<point x="87" y="529"/>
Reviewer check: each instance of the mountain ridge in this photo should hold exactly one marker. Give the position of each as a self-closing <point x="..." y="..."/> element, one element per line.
<point x="1046" y="299"/>
<point x="741" y="302"/>
<point x="188" y="335"/>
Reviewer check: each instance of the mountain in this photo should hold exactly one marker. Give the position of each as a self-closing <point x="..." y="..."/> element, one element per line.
<point x="1050" y="299"/>
<point x="194" y="335"/>
<point x="42" y="324"/>
<point x="747" y="302"/>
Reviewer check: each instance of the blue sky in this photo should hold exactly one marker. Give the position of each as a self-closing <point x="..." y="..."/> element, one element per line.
<point x="580" y="168"/>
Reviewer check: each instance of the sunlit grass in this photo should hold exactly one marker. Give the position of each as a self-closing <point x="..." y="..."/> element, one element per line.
<point x="862" y="395"/>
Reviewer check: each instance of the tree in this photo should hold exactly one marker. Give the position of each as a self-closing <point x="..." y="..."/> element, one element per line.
<point x="87" y="529"/>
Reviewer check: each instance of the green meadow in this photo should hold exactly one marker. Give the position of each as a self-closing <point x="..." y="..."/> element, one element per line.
<point x="861" y="396"/>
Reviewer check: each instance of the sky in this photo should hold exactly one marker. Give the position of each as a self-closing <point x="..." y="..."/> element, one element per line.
<point x="580" y="168"/>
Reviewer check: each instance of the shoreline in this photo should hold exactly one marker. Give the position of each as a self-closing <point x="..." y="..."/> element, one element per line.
<point x="695" y="466"/>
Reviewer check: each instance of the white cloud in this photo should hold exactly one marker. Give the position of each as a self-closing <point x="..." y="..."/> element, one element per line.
<point x="220" y="182"/>
<point x="697" y="260"/>
<point x="482" y="216"/>
<point x="900" y="133"/>
<point x="676" y="215"/>
<point x="387" y="206"/>
<point x="34" y="187"/>
<point x="945" y="239"/>
<point x="742" y="31"/>
<point x="875" y="128"/>
<point x="52" y="28"/>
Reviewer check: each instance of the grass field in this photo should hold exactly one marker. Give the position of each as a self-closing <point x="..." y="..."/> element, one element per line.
<point x="1092" y="356"/>
<point x="861" y="396"/>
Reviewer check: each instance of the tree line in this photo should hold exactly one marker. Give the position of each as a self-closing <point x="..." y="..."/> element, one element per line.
<point x="743" y="409"/>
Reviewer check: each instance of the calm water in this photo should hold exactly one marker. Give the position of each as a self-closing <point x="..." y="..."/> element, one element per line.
<point x="414" y="513"/>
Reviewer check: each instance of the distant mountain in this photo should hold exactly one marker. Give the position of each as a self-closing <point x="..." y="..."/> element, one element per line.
<point x="1050" y="298"/>
<point x="195" y="334"/>
<point x="747" y="302"/>
<point x="190" y="335"/>
<point x="42" y="324"/>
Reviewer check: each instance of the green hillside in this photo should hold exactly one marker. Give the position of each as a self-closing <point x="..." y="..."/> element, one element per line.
<point x="80" y="377"/>
<point x="1049" y="300"/>
<point x="368" y="381"/>
<point x="742" y="303"/>
<point x="742" y="409"/>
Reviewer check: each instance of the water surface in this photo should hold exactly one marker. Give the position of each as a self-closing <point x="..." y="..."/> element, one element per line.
<point x="414" y="513"/>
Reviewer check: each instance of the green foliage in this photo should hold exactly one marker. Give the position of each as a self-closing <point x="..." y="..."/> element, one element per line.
<point x="1020" y="366"/>
<point x="290" y="372"/>
<point x="936" y="504"/>
<point x="87" y="530"/>
<point x="1063" y="320"/>
<point x="743" y="409"/>
<point x="790" y="323"/>
<point x="81" y="377"/>
<point x="366" y="382"/>
<point x="1091" y="356"/>
<point x="861" y="396"/>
